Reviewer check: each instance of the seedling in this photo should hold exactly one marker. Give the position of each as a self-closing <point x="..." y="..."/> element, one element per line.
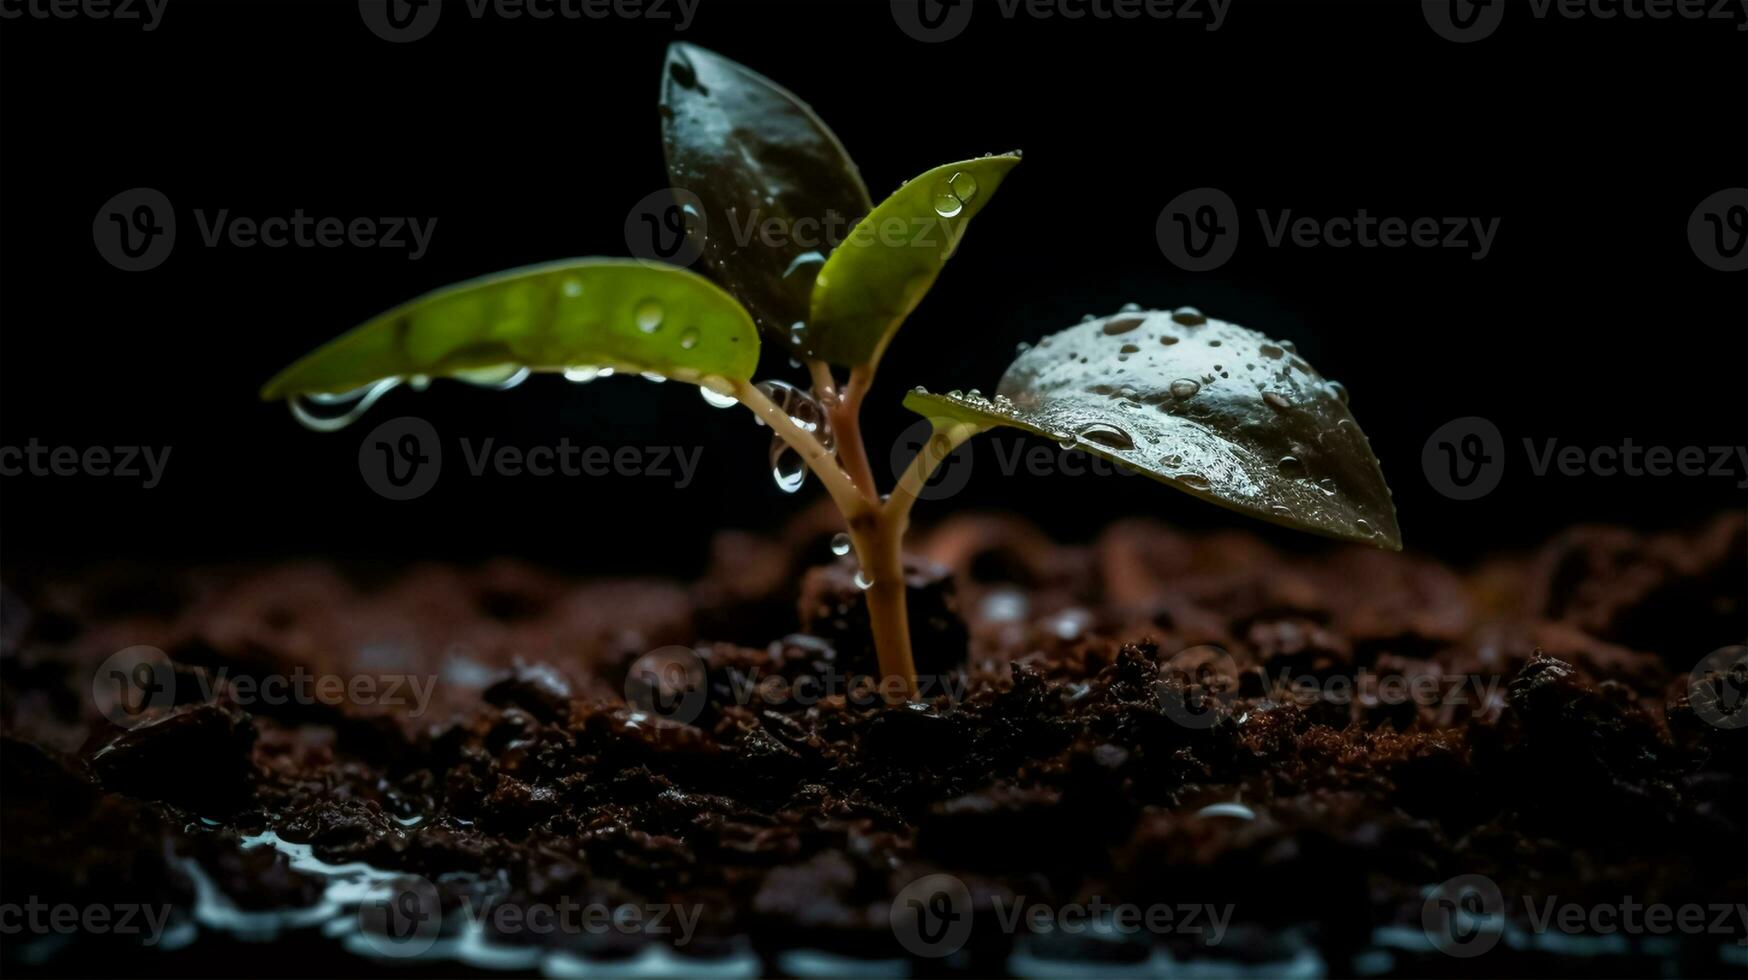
<point x="1211" y="408"/>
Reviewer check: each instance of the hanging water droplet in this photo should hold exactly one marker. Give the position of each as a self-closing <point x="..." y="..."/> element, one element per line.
<point x="499" y="377"/>
<point x="653" y="376"/>
<point x="803" y="261"/>
<point x="582" y="373"/>
<point x="689" y="338"/>
<point x="863" y="580"/>
<point x="1108" y="436"/>
<point x="419" y="382"/>
<point x="964" y="186"/>
<point x="840" y="543"/>
<point x="649" y="316"/>
<point x="1185" y="388"/>
<point x="1291" y="468"/>
<point x="1064" y="440"/>
<point x="786" y="467"/>
<point x="331" y="412"/>
<point x="716" y="399"/>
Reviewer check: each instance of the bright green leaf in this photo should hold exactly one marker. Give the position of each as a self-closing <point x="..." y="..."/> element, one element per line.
<point x="616" y="313"/>
<point x="879" y="274"/>
<point x="1211" y="408"/>
<point x="756" y="157"/>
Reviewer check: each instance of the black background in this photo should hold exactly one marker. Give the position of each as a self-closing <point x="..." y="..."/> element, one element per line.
<point x="1591" y="320"/>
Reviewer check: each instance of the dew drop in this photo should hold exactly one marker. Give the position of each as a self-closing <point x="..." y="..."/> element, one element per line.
<point x="964" y="186"/>
<point x="1213" y="343"/>
<point x="1277" y="401"/>
<point x="1185" y="388"/>
<point x="863" y="581"/>
<point x="919" y="390"/>
<point x="1271" y="351"/>
<point x="653" y="376"/>
<point x="1122" y="324"/>
<point x="572" y="288"/>
<point x="419" y="382"/>
<point x="325" y="412"/>
<point x="1021" y="348"/>
<point x="1291" y="467"/>
<point x="787" y="469"/>
<point x="1129" y="308"/>
<point x="649" y="316"/>
<point x="947" y="204"/>
<point x="582" y="373"/>
<point x="1289" y="347"/>
<point x="716" y="399"/>
<point x="1194" y="480"/>
<point x="689" y="338"/>
<point x="1327" y="486"/>
<point x="1337" y="389"/>
<point x="1108" y="436"/>
<point x="1189" y="316"/>
<point x="1167" y="339"/>
<point x="500" y="377"/>
<point x="1129" y="349"/>
<point x="840" y="543"/>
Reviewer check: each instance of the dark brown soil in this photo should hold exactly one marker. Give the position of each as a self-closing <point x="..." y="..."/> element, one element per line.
<point x="1560" y="758"/>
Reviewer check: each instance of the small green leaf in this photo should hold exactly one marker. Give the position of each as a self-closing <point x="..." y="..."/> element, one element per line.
<point x="773" y="179"/>
<point x="1216" y="410"/>
<point x="615" y="313"/>
<point x="882" y="271"/>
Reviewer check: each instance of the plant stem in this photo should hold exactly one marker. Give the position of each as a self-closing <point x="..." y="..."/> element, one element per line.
<point x="876" y="527"/>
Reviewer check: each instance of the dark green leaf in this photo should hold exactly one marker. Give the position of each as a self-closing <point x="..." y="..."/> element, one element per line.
<point x="614" y="313"/>
<point x="752" y="152"/>
<point x="882" y="271"/>
<point x="1209" y="407"/>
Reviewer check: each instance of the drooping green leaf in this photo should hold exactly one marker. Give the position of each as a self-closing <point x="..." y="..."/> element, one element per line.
<point x="882" y="271"/>
<point x="775" y="183"/>
<point x="616" y="313"/>
<point x="1214" y="409"/>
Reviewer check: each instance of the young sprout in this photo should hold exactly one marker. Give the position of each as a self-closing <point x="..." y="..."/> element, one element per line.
<point x="1211" y="408"/>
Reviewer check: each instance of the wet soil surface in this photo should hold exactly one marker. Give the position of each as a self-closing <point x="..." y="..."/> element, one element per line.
<point x="1290" y="752"/>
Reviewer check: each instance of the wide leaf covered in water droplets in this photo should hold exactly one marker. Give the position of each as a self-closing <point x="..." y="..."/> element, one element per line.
<point x="1210" y="407"/>
<point x="613" y="313"/>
